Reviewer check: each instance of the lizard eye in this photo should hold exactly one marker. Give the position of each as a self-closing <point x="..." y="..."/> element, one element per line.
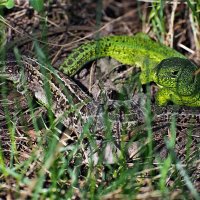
<point x="174" y="73"/>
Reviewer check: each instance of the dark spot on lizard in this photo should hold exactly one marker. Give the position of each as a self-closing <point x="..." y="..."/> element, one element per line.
<point x="75" y="55"/>
<point x="85" y="48"/>
<point x="70" y="62"/>
<point x="81" y="50"/>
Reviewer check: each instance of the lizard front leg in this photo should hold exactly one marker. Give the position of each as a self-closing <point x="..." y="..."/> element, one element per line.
<point x="163" y="96"/>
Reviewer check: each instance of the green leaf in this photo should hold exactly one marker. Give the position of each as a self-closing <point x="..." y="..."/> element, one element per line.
<point x="38" y="5"/>
<point x="7" y="3"/>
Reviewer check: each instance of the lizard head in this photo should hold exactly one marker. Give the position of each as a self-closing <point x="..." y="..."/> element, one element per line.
<point x="13" y="69"/>
<point x="177" y="74"/>
<point x="10" y="70"/>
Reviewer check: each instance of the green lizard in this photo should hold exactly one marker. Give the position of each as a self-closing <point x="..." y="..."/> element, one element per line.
<point x="169" y="69"/>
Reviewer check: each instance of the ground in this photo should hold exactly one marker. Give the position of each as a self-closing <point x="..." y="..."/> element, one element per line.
<point x="37" y="162"/>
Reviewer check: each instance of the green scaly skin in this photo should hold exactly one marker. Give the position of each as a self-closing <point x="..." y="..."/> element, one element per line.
<point x="157" y="62"/>
<point x="137" y="50"/>
<point x="178" y="82"/>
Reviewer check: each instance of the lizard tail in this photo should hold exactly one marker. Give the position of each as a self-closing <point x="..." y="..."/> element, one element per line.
<point x="82" y="55"/>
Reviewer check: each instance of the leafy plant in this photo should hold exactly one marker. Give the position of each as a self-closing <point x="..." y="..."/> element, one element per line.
<point x="7" y="3"/>
<point x="38" y="5"/>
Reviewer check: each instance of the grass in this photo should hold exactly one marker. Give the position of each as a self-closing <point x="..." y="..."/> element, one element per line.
<point x="38" y="160"/>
